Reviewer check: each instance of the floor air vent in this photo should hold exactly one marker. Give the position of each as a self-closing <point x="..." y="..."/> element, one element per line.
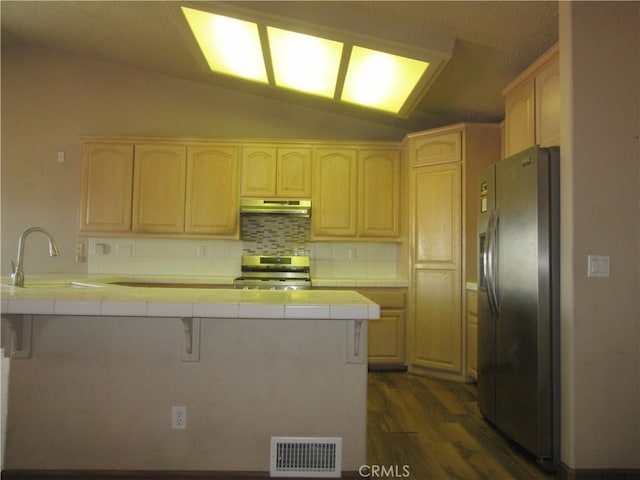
<point x="306" y="457"/>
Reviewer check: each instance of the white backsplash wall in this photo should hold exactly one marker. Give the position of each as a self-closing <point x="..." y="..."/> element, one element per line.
<point x="165" y="257"/>
<point x="221" y="258"/>
<point x="362" y="260"/>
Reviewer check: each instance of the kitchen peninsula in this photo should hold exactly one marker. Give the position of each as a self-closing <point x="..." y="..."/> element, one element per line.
<point x="247" y="365"/>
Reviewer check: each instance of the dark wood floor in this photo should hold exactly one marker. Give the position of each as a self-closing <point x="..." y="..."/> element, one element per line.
<point x="434" y="427"/>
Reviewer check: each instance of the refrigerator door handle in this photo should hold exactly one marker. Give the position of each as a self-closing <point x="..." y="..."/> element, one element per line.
<point x="491" y="262"/>
<point x="486" y="259"/>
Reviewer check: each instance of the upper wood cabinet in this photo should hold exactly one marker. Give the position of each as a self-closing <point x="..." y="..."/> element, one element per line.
<point x="107" y="179"/>
<point x="433" y="149"/>
<point x="259" y="166"/>
<point x="335" y="183"/>
<point x="532" y="105"/>
<point x="212" y="190"/>
<point x="547" y="98"/>
<point x="270" y="171"/>
<point x="174" y="187"/>
<point x="356" y="193"/>
<point x="159" y="188"/>
<point x="519" y="123"/>
<point x="294" y="172"/>
<point x="379" y="195"/>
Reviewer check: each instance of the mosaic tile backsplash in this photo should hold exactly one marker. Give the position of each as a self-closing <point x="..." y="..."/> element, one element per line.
<point x="275" y="234"/>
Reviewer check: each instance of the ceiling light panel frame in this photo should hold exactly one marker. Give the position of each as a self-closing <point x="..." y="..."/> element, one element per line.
<point x="267" y="24"/>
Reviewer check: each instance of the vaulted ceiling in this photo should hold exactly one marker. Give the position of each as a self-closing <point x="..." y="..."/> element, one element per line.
<point x="494" y="41"/>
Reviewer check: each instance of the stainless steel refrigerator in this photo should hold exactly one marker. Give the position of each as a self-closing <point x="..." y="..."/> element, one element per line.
<point x="519" y="301"/>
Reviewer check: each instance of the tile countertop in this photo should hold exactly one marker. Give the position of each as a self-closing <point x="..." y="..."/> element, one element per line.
<point x="359" y="283"/>
<point x="96" y="295"/>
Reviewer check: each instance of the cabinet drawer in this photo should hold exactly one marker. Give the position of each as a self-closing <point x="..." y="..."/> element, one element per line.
<point x="386" y="298"/>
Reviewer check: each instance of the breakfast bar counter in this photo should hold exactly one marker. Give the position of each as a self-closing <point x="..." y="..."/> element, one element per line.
<point x="245" y="365"/>
<point x="91" y="297"/>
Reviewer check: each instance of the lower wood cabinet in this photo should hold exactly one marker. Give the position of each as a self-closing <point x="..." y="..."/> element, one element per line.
<point x="387" y="335"/>
<point x="472" y="334"/>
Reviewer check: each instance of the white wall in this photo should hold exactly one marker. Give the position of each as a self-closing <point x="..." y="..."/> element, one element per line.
<point x="600" y="71"/>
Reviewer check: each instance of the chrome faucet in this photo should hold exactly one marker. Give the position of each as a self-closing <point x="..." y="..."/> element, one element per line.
<point x="18" y="270"/>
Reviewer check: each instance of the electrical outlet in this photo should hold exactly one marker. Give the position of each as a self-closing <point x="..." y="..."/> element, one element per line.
<point x="179" y="418"/>
<point x="124" y="249"/>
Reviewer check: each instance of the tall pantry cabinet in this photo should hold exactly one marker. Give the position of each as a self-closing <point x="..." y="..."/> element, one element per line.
<point x="443" y="199"/>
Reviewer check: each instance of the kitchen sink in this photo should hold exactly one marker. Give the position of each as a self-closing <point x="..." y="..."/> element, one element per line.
<point x="168" y="285"/>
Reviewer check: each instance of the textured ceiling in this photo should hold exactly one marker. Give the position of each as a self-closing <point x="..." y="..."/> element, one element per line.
<point x="494" y="41"/>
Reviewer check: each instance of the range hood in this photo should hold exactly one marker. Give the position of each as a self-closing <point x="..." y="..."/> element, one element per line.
<point x="276" y="206"/>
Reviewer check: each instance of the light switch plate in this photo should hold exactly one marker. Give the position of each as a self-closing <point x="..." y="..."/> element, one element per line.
<point x="598" y="265"/>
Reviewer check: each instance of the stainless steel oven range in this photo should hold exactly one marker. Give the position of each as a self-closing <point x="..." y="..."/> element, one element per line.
<point x="274" y="272"/>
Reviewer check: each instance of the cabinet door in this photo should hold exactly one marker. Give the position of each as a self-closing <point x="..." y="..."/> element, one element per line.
<point x="472" y="334"/>
<point x="437" y="335"/>
<point x="258" y="171"/>
<point x="294" y="172"/>
<point x="386" y="336"/>
<point x="386" y="339"/>
<point x="107" y="182"/>
<point x="379" y="211"/>
<point x="438" y="148"/>
<point x="212" y="190"/>
<point x="547" y="95"/>
<point x="334" y="192"/>
<point x="519" y="124"/>
<point x="159" y="188"/>
<point x="436" y="277"/>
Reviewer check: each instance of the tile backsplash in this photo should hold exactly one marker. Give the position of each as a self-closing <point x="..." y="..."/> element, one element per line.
<point x="221" y="258"/>
<point x="261" y="235"/>
<point x="275" y="234"/>
<point x="167" y="257"/>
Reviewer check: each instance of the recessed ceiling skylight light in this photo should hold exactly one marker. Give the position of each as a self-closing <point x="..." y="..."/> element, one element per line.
<point x="343" y="71"/>
<point x="304" y="62"/>
<point x="381" y="80"/>
<point x="229" y="45"/>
